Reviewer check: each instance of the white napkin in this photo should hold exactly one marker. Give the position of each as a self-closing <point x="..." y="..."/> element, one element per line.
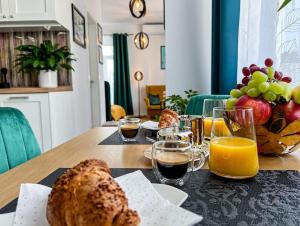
<point x="152" y="208"/>
<point x="31" y="208"/>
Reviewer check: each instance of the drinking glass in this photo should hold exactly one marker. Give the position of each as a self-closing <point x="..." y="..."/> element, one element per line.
<point x="129" y="129"/>
<point x="208" y="107"/>
<point x="172" y="161"/>
<point x="233" y="148"/>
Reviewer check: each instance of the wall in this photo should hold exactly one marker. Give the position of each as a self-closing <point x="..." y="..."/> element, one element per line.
<point x="80" y="99"/>
<point x="146" y="61"/>
<point x="188" y="46"/>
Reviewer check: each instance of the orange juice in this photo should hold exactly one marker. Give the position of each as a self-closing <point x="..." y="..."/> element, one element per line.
<point x="234" y="157"/>
<point x="220" y="128"/>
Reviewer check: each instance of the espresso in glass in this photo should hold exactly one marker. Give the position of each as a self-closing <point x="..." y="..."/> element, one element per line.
<point x="129" y="129"/>
<point x="172" y="161"/>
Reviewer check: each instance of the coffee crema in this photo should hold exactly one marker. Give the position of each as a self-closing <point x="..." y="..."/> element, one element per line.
<point x="129" y="130"/>
<point x="172" y="165"/>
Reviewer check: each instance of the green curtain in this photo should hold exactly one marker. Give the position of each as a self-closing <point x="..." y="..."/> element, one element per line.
<point x="122" y="90"/>
<point x="225" y="32"/>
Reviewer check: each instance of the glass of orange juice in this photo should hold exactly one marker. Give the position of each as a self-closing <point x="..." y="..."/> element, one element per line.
<point x="208" y="106"/>
<point x="233" y="152"/>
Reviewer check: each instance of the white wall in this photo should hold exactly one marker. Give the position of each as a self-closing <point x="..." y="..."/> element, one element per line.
<point x="78" y="102"/>
<point x="148" y="62"/>
<point x="188" y="45"/>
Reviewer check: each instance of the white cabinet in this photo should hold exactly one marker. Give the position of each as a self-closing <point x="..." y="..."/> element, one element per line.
<point x="35" y="107"/>
<point x="4" y="9"/>
<point x="27" y="10"/>
<point x="18" y="13"/>
<point x="50" y="115"/>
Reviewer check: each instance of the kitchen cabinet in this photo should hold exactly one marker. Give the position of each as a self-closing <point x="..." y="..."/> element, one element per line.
<point x="50" y="115"/>
<point x="31" y="9"/>
<point x="3" y="9"/>
<point x="34" y="13"/>
<point x="35" y="107"/>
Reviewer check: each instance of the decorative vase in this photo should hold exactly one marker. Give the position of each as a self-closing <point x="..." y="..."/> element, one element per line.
<point x="48" y="79"/>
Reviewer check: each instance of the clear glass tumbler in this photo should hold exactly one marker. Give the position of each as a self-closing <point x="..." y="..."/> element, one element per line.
<point x="233" y="148"/>
<point x="129" y="129"/>
<point x="172" y="161"/>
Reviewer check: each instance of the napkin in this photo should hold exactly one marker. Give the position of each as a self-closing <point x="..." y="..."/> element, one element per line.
<point x="32" y="203"/>
<point x="153" y="209"/>
<point x="151" y="206"/>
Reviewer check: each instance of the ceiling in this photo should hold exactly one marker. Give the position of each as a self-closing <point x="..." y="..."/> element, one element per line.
<point x="117" y="11"/>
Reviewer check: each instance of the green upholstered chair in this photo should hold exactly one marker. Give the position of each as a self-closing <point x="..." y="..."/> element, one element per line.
<point x="17" y="141"/>
<point x="195" y="105"/>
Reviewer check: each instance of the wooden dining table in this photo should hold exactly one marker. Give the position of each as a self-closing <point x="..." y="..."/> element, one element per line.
<point x="86" y="146"/>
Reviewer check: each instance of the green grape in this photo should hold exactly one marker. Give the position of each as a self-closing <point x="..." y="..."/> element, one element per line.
<point x="270" y="96"/>
<point x="253" y="92"/>
<point x="276" y="88"/>
<point x="244" y="89"/>
<point x="253" y="84"/>
<point x="287" y="94"/>
<point x="271" y="72"/>
<point x="263" y="87"/>
<point x="236" y="93"/>
<point x="230" y="103"/>
<point x="259" y="77"/>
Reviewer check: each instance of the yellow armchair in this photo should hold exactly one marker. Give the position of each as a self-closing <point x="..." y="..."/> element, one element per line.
<point x="155" y="90"/>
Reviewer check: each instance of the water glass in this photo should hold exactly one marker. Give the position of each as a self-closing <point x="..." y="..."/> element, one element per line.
<point x="129" y="129"/>
<point x="233" y="150"/>
<point x="172" y="161"/>
<point x="208" y="106"/>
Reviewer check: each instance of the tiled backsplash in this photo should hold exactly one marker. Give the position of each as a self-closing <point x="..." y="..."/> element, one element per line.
<point x="10" y="40"/>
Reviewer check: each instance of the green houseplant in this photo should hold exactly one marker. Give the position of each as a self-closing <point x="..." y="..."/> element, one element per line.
<point x="45" y="59"/>
<point x="178" y="103"/>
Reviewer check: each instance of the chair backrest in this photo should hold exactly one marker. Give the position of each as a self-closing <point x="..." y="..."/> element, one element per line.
<point x="156" y="90"/>
<point x="195" y="105"/>
<point x="117" y="112"/>
<point x="17" y="141"/>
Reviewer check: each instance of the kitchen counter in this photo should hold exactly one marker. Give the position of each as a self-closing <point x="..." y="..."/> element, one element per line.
<point x="16" y="90"/>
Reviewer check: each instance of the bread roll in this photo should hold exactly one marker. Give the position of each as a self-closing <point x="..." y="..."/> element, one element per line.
<point x="168" y="118"/>
<point x="87" y="195"/>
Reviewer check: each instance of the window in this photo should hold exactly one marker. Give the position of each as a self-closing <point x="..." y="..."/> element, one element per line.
<point x="264" y="32"/>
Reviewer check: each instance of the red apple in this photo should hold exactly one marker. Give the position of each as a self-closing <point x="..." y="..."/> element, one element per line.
<point x="291" y="111"/>
<point x="262" y="110"/>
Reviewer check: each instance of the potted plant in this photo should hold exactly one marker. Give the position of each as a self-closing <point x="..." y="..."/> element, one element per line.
<point x="178" y="103"/>
<point x="45" y="59"/>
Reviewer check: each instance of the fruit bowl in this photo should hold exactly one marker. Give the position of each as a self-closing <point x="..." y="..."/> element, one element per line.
<point x="276" y="108"/>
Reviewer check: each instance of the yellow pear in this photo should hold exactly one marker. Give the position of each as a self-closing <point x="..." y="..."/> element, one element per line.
<point x="296" y="94"/>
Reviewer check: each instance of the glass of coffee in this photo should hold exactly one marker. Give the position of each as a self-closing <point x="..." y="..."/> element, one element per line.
<point x="172" y="161"/>
<point x="129" y="129"/>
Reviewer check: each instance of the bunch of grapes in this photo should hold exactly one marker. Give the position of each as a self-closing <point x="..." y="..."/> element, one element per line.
<point x="265" y="82"/>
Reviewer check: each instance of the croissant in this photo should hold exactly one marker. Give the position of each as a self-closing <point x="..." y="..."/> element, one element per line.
<point x="168" y="118"/>
<point x="87" y="195"/>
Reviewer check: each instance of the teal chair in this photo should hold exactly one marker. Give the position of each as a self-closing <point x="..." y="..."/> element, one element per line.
<point x="195" y="105"/>
<point x="17" y="141"/>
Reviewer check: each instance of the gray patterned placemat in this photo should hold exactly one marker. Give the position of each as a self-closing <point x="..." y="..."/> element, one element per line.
<point x="115" y="138"/>
<point x="271" y="198"/>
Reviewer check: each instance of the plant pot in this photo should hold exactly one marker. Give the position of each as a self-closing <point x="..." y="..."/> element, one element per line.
<point x="48" y="79"/>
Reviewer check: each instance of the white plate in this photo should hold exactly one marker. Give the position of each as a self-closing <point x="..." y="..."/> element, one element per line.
<point x="151" y="125"/>
<point x="172" y="194"/>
